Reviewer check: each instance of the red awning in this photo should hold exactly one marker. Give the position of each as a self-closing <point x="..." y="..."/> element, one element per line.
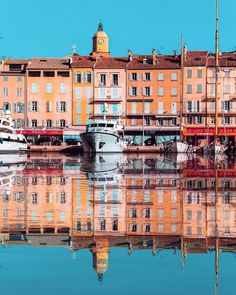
<point x="40" y="131"/>
<point x="191" y="131"/>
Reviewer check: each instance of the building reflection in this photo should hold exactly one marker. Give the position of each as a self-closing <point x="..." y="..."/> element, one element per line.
<point x="138" y="202"/>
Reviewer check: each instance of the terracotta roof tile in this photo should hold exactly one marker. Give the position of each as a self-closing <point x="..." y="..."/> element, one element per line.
<point x="112" y="63"/>
<point x="15" y="61"/>
<point x="83" y="61"/>
<point x="49" y="63"/>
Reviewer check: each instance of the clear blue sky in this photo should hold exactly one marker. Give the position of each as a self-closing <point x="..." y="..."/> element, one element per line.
<point x="49" y="27"/>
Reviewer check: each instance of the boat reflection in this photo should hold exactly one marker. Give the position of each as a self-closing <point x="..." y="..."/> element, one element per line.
<point x="132" y="201"/>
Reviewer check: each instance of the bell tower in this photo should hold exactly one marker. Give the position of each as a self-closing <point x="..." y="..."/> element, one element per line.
<point x="100" y="42"/>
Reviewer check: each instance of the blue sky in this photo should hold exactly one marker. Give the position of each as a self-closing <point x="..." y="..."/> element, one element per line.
<point x="33" y="28"/>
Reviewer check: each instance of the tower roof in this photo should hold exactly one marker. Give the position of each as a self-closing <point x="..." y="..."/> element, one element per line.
<point x="100" y="33"/>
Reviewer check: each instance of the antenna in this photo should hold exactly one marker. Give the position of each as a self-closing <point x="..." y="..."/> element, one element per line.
<point x="74" y="48"/>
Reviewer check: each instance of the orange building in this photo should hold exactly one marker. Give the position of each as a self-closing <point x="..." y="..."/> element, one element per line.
<point x="153" y="100"/>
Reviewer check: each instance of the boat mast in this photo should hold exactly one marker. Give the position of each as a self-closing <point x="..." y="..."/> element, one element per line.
<point x="216" y="68"/>
<point x="182" y="86"/>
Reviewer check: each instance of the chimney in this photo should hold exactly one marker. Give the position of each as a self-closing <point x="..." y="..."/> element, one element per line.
<point x="185" y="53"/>
<point x="130" y="55"/>
<point x="154" y="56"/>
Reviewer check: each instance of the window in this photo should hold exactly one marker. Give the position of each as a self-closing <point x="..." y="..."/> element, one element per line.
<point x="5" y="78"/>
<point x="5" y="91"/>
<point x="133" y="77"/>
<point x="174" y="213"/>
<point x="34" y="106"/>
<point x="160" y="227"/>
<point x="5" y="212"/>
<point x="34" y="123"/>
<point x="199" y="73"/>
<point x="102" y="79"/>
<point x="78" y="92"/>
<point x="174" y="76"/>
<point x="147" y="91"/>
<point x="49" y="123"/>
<point x="19" y="78"/>
<point x="189" y="88"/>
<point x="147" y="228"/>
<point x="133" y="213"/>
<point x="134" y="227"/>
<point x="189" y="215"/>
<point x="173" y="108"/>
<point x="226" y="120"/>
<point x="62" y="106"/>
<point x="226" y="89"/>
<point x="160" y="91"/>
<point x="173" y="91"/>
<point x="189" y="230"/>
<point x="189" y="73"/>
<point x="160" y="107"/>
<point x="102" y="224"/>
<point x="133" y="91"/>
<point x="34" y="215"/>
<point x="173" y="227"/>
<point x="34" y="198"/>
<point x="62" y="88"/>
<point x="88" y="77"/>
<point x="18" y="91"/>
<point x="49" y="216"/>
<point x="160" y="213"/>
<point x="88" y="91"/>
<point x="147" y="213"/>
<point x="48" y="74"/>
<point x="34" y="88"/>
<point x="147" y="107"/>
<point x="226" y="106"/>
<point x="62" y="198"/>
<point x="115" y="79"/>
<point x="199" y="215"/>
<point x="49" y="87"/>
<point x="147" y="76"/>
<point x="199" y="88"/>
<point x="62" y="216"/>
<point x="160" y="76"/>
<point x="227" y="74"/>
<point x="77" y="77"/>
<point x="62" y="123"/>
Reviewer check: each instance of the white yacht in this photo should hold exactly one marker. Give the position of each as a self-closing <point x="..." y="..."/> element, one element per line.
<point x="103" y="136"/>
<point x="10" y="141"/>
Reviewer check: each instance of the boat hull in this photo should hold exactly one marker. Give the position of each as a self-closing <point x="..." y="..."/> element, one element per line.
<point x="12" y="143"/>
<point x="101" y="142"/>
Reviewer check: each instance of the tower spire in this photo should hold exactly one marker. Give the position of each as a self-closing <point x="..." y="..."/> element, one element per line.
<point x="100" y="27"/>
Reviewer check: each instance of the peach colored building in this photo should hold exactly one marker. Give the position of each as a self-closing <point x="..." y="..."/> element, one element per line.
<point x="153" y="101"/>
<point x="110" y="88"/>
<point x="49" y="95"/>
<point x="13" y="89"/>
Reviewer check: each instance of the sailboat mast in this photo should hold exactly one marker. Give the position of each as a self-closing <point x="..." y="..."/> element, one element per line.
<point x="216" y="67"/>
<point x="182" y="87"/>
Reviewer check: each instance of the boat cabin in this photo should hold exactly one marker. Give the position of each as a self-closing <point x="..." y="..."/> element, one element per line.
<point x="109" y="126"/>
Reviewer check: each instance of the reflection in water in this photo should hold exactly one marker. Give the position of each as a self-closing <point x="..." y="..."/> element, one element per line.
<point x="99" y="202"/>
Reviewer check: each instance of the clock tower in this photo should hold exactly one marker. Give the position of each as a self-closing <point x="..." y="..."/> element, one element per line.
<point x="100" y="42"/>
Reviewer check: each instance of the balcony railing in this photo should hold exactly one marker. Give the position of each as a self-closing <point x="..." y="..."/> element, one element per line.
<point x="106" y="99"/>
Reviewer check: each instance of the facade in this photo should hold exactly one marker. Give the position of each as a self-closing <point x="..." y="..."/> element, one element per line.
<point x="155" y="96"/>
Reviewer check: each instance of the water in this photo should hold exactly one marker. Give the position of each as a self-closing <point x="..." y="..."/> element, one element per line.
<point x="117" y="224"/>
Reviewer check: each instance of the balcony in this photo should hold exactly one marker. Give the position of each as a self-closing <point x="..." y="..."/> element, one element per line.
<point x="107" y="99"/>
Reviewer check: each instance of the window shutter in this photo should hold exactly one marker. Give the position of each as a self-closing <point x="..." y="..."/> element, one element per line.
<point x="57" y="105"/>
<point x="38" y="107"/>
<point x="30" y="107"/>
<point x="74" y="77"/>
<point x="231" y="105"/>
<point x="137" y="91"/>
<point x="15" y="107"/>
<point x="130" y="76"/>
<point x="82" y="77"/>
<point x="150" y="90"/>
<point x="143" y="90"/>
<point x="138" y="76"/>
<point x="130" y="91"/>
<point x="143" y="76"/>
<point x="151" y="76"/>
<point x="91" y="77"/>
<point x="67" y="107"/>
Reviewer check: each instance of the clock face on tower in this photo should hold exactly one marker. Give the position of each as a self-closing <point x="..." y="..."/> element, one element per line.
<point x="100" y="41"/>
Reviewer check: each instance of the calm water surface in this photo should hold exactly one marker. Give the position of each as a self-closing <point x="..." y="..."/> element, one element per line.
<point x="117" y="224"/>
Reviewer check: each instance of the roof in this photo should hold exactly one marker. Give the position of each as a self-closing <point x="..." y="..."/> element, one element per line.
<point x="82" y="61"/>
<point x="48" y="63"/>
<point x="112" y="63"/>
<point x="195" y="58"/>
<point x="162" y="62"/>
<point x="15" y="61"/>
